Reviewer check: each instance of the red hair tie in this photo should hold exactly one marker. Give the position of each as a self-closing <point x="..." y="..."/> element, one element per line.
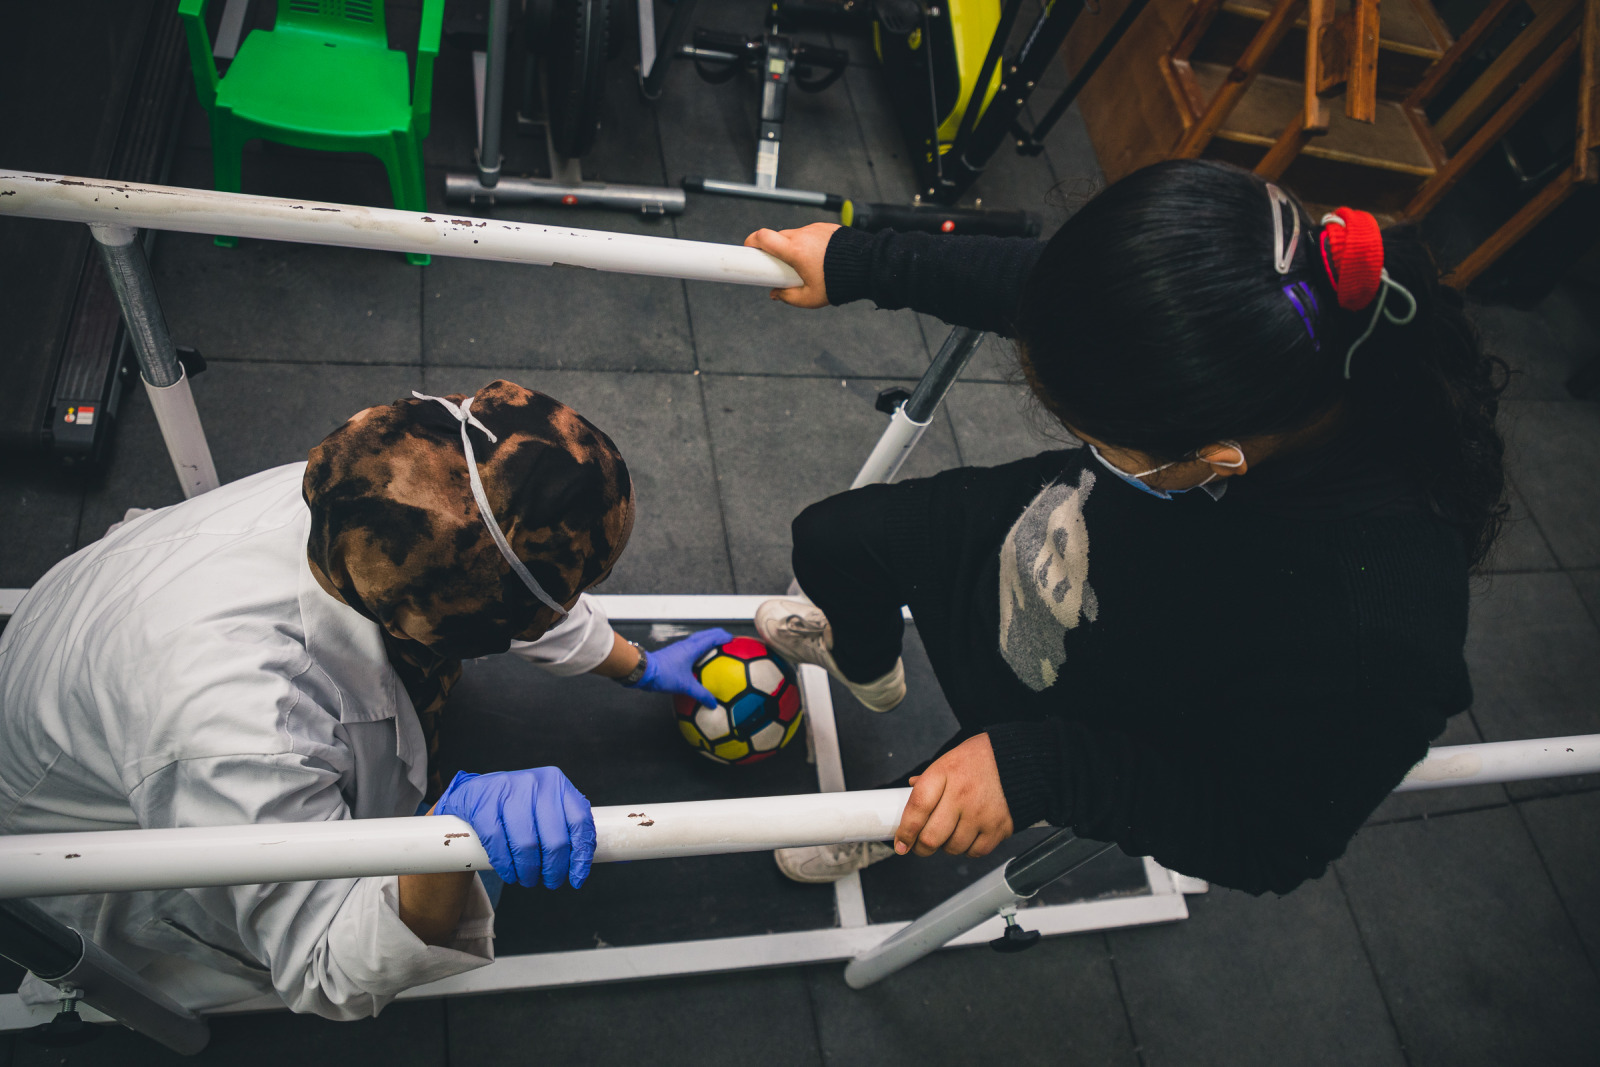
<point x="1352" y="253"/>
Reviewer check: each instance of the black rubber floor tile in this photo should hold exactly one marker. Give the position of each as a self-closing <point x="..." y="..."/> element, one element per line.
<point x="701" y="1021"/>
<point x="623" y="747"/>
<point x="1534" y="651"/>
<point x="995" y="362"/>
<point x="739" y="330"/>
<point x="1552" y="450"/>
<point x="1567" y="833"/>
<point x="1255" y="980"/>
<point x="783" y="443"/>
<point x="1588" y="583"/>
<point x="1070" y="153"/>
<point x="659" y="425"/>
<point x="1055" y="1004"/>
<point x="1521" y="545"/>
<point x="996" y="424"/>
<point x="406" y="1034"/>
<point x="256" y="416"/>
<point x="40" y="507"/>
<point x="888" y="149"/>
<point x="1544" y="346"/>
<point x="880" y="748"/>
<point x="1478" y="960"/>
<point x="1459" y="730"/>
<point x="295" y="303"/>
<point x="482" y="314"/>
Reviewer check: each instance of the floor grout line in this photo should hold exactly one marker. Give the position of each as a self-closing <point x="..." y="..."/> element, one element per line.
<point x="1544" y="865"/>
<point x="1372" y="966"/>
<point x="1122" y="997"/>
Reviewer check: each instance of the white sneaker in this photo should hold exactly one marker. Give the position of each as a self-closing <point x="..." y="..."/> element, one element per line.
<point x="799" y="632"/>
<point x="820" y="864"/>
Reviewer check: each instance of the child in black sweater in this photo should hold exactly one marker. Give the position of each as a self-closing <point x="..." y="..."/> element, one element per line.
<point x="1227" y="673"/>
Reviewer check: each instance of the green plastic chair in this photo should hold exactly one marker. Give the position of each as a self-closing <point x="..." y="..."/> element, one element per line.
<point x="323" y="78"/>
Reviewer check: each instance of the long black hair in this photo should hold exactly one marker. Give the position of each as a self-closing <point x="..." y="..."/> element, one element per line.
<point x="1156" y="321"/>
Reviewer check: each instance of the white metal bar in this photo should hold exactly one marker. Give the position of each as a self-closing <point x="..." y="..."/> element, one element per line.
<point x="964" y="911"/>
<point x="892" y="449"/>
<point x="823" y="734"/>
<point x="187" y="857"/>
<point x="1504" y="761"/>
<point x="622" y="607"/>
<point x="179" y="421"/>
<point x="93" y="200"/>
<point x="547" y="970"/>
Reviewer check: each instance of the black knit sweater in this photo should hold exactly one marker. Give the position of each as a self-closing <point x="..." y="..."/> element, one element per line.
<point x="1251" y="676"/>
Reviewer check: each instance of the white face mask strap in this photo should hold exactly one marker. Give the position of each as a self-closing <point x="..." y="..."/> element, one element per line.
<point x="464" y="415"/>
<point x="1283" y="255"/>
<point x="1385" y="284"/>
<point x="1218" y="463"/>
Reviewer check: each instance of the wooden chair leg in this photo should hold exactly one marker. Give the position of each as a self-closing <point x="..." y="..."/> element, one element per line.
<point x="1489" y="135"/>
<point x="1195" y="139"/>
<point x="1516" y="228"/>
<point x="1295" y="137"/>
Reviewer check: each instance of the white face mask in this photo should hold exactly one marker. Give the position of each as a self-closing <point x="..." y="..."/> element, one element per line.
<point x="1136" y="480"/>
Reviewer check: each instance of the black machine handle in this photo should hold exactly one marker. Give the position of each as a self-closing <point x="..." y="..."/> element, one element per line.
<point x="808" y="59"/>
<point x="932" y="218"/>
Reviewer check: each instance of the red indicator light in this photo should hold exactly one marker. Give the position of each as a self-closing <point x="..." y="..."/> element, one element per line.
<point x="948" y="226"/>
<point x="569" y="200"/>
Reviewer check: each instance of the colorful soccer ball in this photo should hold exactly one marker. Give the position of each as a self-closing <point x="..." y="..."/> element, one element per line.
<point x="758" y="703"/>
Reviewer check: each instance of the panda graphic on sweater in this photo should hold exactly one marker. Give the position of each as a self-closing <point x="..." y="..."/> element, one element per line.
<point x="1044" y="582"/>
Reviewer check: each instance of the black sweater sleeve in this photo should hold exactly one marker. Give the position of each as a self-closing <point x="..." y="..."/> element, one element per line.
<point x="965" y="281"/>
<point x="1255" y="815"/>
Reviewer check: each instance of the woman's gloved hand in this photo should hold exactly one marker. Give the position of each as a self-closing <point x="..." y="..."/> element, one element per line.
<point x="534" y="824"/>
<point x="670" y="669"/>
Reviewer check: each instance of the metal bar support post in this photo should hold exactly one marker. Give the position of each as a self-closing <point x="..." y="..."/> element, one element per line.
<point x="494" y="91"/>
<point x="911" y="418"/>
<point x="1003" y="888"/>
<point x="164" y="379"/>
<point x="82" y="970"/>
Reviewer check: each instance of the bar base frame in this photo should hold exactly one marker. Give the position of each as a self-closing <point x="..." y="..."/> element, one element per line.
<point x="852" y="934"/>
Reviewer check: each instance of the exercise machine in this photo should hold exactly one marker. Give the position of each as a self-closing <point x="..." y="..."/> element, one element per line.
<point x="66" y="357"/>
<point x="780" y="61"/>
<point x="563" y="46"/>
<point x="938" y="56"/>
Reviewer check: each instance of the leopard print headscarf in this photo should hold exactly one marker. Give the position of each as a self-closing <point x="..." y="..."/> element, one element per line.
<point x="396" y="534"/>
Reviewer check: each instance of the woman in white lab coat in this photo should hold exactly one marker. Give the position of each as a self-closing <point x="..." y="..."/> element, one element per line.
<point x="279" y="650"/>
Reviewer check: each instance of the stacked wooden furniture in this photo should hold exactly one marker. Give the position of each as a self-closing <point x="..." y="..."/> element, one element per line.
<point x="1334" y="96"/>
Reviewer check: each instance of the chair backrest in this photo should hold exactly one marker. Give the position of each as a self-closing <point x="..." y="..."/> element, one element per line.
<point x="355" y="20"/>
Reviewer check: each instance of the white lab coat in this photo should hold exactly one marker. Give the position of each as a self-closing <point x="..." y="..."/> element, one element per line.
<point x="187" y="670"/>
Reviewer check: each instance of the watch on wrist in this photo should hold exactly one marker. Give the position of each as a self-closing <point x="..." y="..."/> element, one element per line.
<point x="632" y="677"/>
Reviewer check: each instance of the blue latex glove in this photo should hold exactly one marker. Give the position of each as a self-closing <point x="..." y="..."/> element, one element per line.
<point x="534" y="824"/>
<point x="671" y="667"/>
